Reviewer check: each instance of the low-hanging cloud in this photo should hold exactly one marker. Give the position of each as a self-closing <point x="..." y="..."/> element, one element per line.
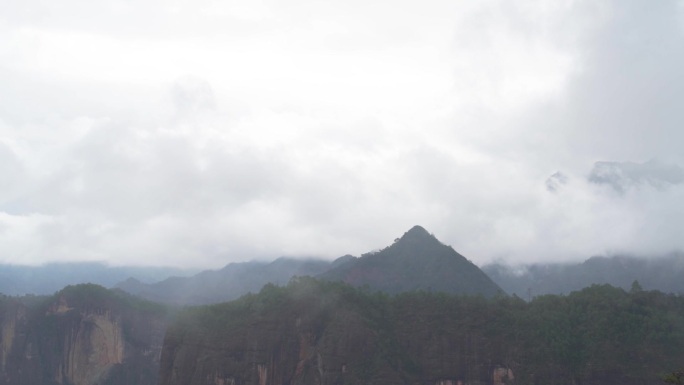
<point x="622" y="176"/>
<point x="199" y="134"/>
<point x="556" y="181"/>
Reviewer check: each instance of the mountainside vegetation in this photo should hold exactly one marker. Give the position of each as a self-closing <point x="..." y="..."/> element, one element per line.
<point x="415" y="312"/>
<point x="314" y="332"/>
<point x="416" y="261"/>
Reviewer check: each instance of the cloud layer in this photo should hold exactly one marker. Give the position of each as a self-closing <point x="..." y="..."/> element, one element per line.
<point x="200" y="133"/>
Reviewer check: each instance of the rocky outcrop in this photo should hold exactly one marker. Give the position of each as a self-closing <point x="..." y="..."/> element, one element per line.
<point x="92" y="347"/>
<point x="502" y="376"/>
<point x="81" y="336"/>
<point x="11" y="315"/>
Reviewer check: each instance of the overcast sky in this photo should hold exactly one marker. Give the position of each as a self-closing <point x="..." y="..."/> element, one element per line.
<point x="197" y="133"/>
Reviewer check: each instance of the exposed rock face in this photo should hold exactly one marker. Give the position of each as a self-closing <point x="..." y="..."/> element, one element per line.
<point x="83" y="335"/>
<point x="11" y="314"/>
<point x="502" y="376"/>
<point x="91" y="348"/>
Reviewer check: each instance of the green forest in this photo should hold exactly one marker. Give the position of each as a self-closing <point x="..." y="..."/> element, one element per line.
<point x="599" y="335"/>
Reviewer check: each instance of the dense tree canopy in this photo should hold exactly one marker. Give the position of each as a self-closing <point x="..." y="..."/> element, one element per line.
<point x="600" y="335"/>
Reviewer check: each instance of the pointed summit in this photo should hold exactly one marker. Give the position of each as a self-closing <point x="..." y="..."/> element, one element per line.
<point x="416" y="231"/>
<point x="416" y="261"/>
<point x="417" y="235"/>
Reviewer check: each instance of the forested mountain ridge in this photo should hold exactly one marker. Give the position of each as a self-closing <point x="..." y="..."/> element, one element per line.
<point x="321" y="332"/>
<point x="416" y="261"/>
<point x="313" y="332"/>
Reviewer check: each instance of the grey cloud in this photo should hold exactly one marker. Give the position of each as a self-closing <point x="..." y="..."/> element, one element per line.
<point x="556" y="181"/>
<point x="131" y="174"/>
<point x="622" y="96"/>
<point x="626" y="102"/>
<point x="186" y="183"/>
<point x="11" y="171"/>
<point x="622" y="176"/>
<point x="193" y="95"/>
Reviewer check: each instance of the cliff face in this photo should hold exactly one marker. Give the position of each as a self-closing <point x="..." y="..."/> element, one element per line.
<point x="92" y="345"/>
<point x="83" y="335"/>
<point x="283" y="351"/>
<point x="11" y="314"/>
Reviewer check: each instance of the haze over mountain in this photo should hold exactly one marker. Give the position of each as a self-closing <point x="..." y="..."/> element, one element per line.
<point x="446" y="321"/>
<point x="416" y="261"/>
<point x="228" y="283"/>
<point x="327" y="333"/>
<point x="205" y="134"/>
<point x="51" y="277"/>
<point x="526" y="281"/>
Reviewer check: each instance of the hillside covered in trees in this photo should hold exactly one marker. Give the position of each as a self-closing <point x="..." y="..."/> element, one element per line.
<point x="313" y="332"/>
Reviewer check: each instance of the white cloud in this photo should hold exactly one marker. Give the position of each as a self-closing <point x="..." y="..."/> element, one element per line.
<point x="206" y="132"/>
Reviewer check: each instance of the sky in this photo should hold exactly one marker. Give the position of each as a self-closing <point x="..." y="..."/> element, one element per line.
<point x="199" y="133"/>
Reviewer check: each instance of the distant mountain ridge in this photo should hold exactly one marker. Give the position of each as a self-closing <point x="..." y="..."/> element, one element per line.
<point x="52" y="277"/>
<point x="527" y="281"/>
<point x="228" y="283"/>
<point x="416" y="261"/>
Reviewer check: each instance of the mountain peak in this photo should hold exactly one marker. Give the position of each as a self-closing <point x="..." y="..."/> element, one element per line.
<point x="417" y="230"/>
<point x="417" y="234"/>
<point x="416" y="261"/>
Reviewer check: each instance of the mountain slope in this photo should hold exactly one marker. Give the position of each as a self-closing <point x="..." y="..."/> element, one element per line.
<point x="664" y="274"/>
<point x="231" y="282"/>
<point x="52" y="277"/>
<point x="416" y="261"/>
